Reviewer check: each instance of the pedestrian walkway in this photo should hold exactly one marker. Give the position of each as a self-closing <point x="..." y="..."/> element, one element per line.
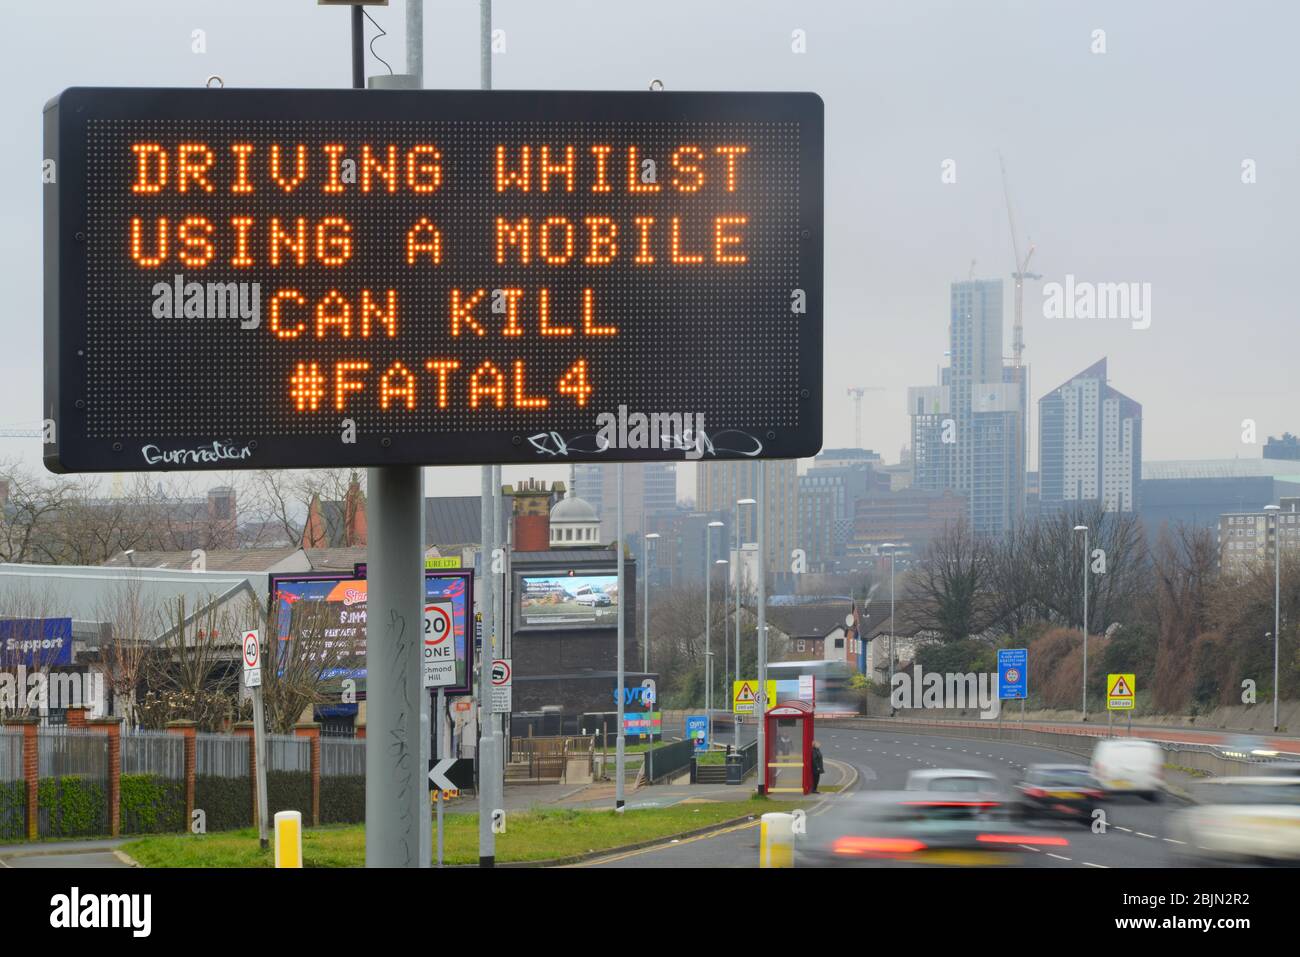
<point x="58" y="854"/>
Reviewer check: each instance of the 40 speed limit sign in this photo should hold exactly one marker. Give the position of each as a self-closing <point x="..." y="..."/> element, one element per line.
<point x="438" y="651"/>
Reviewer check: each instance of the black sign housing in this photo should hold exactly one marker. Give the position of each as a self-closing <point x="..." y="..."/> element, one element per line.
<point x="299" y="278"/>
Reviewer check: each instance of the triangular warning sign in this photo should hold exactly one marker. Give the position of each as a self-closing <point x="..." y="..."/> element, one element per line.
<point x="746" y="693"/>
<point x="1121" y="689"/>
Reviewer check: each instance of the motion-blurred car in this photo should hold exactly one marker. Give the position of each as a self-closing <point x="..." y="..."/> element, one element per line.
<point x="1129" y="766"/>
<point x="1063" y="791"/>
<point x="1241" y="819"/>
<point x="916" y="828"/>
<point x="953" y="779"/>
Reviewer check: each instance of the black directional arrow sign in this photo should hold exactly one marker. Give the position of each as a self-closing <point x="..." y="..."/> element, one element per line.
<point x="451" y="774"/>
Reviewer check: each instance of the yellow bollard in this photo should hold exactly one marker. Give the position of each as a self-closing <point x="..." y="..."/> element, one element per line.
<point x="776" y="840"/>
<point x="288" y="839"/>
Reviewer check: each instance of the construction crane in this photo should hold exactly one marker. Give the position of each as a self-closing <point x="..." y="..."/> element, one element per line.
<point x="1020" y="274"/>
<point x="855" y="393"/>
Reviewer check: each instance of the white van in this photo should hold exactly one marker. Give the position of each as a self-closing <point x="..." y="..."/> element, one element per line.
<point x="1129" y="766"/>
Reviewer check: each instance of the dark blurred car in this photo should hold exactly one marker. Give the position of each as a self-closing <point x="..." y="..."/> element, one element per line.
<point x="1060" y="791"/>
<point x="913" y="828"/>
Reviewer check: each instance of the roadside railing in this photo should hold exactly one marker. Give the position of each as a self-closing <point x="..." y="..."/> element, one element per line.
<point x="1212" y="759"/>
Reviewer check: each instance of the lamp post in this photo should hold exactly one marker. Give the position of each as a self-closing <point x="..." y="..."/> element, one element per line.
<point x="726" y="649"/>
<point x="739" y="580"/>
<point x="1277" y="596"/>
<point x="645" y="632"/>
<point x="1084" y="529"/>
<point x="891" y="546"/>
<point x="708" y="617"/>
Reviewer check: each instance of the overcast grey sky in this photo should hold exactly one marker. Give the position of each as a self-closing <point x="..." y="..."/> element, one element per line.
<point x="1125" y="166"/>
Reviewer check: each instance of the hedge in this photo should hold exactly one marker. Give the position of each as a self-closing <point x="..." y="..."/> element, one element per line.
<point x="343" y="799"/>
<point x="288" y="791"/>
<point x="225" y="802"/>
<point x="13" y="810"/>
<point x="72" y="806"/>
<point x="152" y="804"/>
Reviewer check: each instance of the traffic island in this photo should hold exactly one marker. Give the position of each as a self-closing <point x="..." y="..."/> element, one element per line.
<point x="539" y="837"/>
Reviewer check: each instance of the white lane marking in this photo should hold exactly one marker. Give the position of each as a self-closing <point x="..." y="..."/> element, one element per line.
<point x="1124" y="829"/>
<point x="1030" y="847"/>
<point x="1172" y="841"/>
<point x="1091" y="864"/>
<point x="1144" y="834"/>
<point x="1057" y="856"/>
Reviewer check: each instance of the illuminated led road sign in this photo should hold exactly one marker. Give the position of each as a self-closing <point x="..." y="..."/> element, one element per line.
<point x="276" y="278"/>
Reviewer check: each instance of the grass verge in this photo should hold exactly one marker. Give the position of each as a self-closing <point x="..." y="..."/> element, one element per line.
<point x="530" y="836"/>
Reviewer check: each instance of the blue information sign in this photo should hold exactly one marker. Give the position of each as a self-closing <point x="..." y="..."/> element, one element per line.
<point x="1013" y="673"/>
<point x="697" y="730"/>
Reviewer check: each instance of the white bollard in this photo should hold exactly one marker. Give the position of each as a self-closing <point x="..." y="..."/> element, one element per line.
<point x="288" y="839"/>
<point x="776" y="840"/>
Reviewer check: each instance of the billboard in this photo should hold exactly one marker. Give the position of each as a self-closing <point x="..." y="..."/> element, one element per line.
<point x="292" y="278"/>
<point x="563" y="600"/>
<point x="35" y="642"/>
<point x="333" y="608"/>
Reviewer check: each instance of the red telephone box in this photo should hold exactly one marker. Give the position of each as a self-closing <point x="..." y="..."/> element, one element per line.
<point x="788" y="739"/>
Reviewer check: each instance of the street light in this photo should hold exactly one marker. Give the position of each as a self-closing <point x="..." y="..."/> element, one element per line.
<point x="645" y="640"/>
<point x="708" y="617"/>
<point x="1277" y="596"/>
<point x="739" y="583"/>
<point x="1084" y="529"/>
<point x="891" y="546"/>
<point x="726" y="649"/>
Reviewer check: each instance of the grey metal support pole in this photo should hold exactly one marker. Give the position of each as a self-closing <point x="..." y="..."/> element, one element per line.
<point x="259" y="749"/>
<point x="891" y="631"/>
<point x="618" y="686"/>
<point x="762" y="628"/>
<point x="395" y="783"/>
<point x="1085" y="624"/>
<point x="358" y="47"/>
<point x="498" y="640"/>
<point x="1277" y="604"/>
<point x="487" y="606"/>
<point x="415" y="41"/>
<point x="645" y="629"/>
<point x="708" y="621"/>
<point x="441" y="750"/>
<point x="486" y="751"/>
<point x="397" y="793"/>
<point x="485" y="44"/>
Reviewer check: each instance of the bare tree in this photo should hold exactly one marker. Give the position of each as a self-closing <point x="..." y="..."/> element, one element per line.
<point x="130" y="619"/>
<point x="950" y="591"/>
<point x="1184" y="572"/>
<point x="307" y="667"/>
<point x="192" y="674"/>
<point x="1055" y="558"/>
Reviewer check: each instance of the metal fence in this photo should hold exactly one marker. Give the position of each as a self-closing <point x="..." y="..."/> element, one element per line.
<point x="221" y="755"/>
<point x="668" y="760"/>
<point x="11" y="755"/>
<point x="285" y="752"/>
<point x="342" y="757"/>
<point x="62" y="752"/>
<point x="154" y="752"/>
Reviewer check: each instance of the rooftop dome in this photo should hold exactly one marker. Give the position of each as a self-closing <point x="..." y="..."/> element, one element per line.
<point x="573" y="509"/>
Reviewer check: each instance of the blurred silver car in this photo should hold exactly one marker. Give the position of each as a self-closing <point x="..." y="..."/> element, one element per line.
<point x="1241" y="819"/>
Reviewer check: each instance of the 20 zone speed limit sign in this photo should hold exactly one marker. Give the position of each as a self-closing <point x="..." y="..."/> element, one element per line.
<point x="439" y="648"/>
